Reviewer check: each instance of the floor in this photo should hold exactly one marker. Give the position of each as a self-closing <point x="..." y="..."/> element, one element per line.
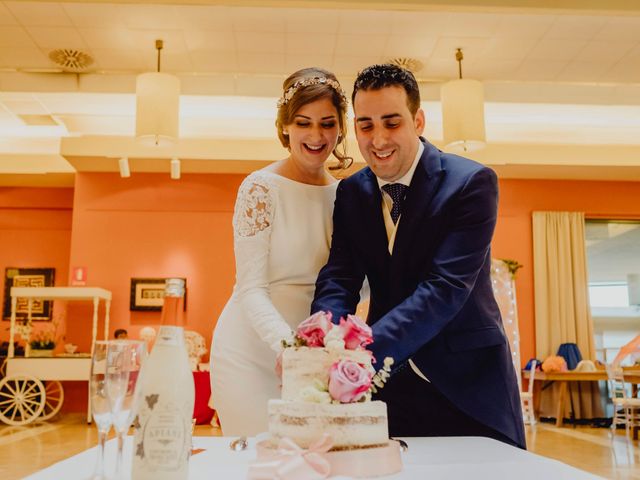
<point x="24" y="450"/>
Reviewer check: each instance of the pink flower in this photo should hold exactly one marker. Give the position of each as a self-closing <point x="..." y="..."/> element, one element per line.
<point x="348" y="381"/>
<point x="314" y="328"/>
<point x="356" y="333"/>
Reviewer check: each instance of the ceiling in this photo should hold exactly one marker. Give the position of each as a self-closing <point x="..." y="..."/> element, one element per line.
<point x="562" y="78"/>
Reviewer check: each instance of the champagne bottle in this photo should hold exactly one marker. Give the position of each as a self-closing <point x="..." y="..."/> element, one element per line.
<point x="162" y="441"/>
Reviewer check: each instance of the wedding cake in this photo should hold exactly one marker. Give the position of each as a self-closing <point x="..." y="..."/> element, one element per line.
<point x="306" y="410"/>
<point x="326" y="407"/>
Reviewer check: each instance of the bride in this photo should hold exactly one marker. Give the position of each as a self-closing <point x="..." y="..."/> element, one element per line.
<point x="282" y="227"/>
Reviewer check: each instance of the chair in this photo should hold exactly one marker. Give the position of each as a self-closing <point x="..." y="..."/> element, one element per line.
<point x="626" y="409"/>
<point x="526" y="398"/>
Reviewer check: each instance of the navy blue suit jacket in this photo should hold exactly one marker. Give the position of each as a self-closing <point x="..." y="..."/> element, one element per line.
<point x="431" y="300"/>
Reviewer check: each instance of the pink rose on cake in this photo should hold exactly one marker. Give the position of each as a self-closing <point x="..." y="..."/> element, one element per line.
<point x="314" y="328"/>
<point x="356" y="333"/>
<point x="349" y="381"/>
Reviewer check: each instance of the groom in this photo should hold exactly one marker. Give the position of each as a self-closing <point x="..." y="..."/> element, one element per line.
<point x="418" y="224"/>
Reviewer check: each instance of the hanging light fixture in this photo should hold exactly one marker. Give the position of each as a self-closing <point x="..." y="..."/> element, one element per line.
<point x="462" y="103"/>
<point x="157" y="106"/>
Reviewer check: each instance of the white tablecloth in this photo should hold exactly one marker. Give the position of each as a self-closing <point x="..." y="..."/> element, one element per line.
<point x="433" y="458"/>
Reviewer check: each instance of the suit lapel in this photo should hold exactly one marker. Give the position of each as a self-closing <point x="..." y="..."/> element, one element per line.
<point x="372" y="211"/>
<point x="424" y="184"/>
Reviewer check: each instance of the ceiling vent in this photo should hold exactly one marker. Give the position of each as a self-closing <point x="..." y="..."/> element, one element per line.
<point x="71" y="60"/>
<point x="407" y="63"/>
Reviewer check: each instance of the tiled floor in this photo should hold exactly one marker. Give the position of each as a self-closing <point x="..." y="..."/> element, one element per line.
<point x="24" y="450"/>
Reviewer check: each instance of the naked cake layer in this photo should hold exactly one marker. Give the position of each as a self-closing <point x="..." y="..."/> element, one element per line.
<point x="351" y="425"/>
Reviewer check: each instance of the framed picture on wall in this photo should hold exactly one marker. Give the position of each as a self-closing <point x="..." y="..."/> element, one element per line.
<point x="27" y="277"/>
<point x="147" y="294"/>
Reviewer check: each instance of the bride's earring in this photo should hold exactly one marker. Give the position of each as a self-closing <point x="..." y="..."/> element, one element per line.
<point x="285" y="133"/>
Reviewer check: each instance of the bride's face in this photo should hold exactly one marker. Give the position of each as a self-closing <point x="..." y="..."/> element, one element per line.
<point x="313" y="134"/>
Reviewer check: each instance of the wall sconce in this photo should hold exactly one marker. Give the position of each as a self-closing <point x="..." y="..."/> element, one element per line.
<point x="123" y="164"/>
<point x="463" y="112"/>
<point x="175" y="168"/>
<point x="157" y="106"/>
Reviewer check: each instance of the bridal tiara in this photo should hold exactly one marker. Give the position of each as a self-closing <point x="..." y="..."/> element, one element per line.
<point x="291" y="91"/>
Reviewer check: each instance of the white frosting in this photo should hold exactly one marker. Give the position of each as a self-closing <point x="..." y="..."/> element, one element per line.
<point x="351" y="425"/>
<point x="305" y="411"/>
<point x="304" y="367"/>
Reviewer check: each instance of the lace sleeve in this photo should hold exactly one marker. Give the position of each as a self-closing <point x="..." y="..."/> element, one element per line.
<point x="254" y="207"/>
<point x="252" y="224"/>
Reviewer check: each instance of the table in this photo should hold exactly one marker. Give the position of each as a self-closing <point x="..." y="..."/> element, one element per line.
<point x="631" y="375"/>
<point x="428" y="458"/>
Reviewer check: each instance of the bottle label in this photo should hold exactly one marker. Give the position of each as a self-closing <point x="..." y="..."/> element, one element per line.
<point x="162" y="443"/>
<point x="170" y="335"/>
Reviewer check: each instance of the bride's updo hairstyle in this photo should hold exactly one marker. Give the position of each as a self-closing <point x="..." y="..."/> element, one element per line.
<point x="306" y="86"/>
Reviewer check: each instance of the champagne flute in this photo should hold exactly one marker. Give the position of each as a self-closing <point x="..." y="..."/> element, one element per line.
<point x="124" y="361"/>
<point x="100" y="407"/>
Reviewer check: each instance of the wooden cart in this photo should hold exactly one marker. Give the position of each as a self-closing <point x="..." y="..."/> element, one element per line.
<point x="31" y="388"/>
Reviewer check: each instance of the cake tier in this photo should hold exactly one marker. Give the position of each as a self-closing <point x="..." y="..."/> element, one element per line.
<point x="302" y="366"/>
<point x="351" y="425"/>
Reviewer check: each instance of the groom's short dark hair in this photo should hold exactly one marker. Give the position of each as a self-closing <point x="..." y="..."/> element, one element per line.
<point x="384" y="75"/>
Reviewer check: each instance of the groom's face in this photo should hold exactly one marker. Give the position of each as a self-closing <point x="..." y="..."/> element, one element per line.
<point x="387" y="131"/>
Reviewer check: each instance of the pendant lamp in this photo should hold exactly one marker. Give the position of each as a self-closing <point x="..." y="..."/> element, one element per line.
<point x="157" y="107"/>
<point x="463" y="112"/>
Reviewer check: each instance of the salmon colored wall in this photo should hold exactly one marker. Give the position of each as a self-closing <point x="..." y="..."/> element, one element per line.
<point x="513" y="238"/>
<point x="151" y="226"/>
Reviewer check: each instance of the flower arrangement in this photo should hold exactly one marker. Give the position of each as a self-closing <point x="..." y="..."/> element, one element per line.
<point x="349" y="381"/>
<point x="44" y="338"/>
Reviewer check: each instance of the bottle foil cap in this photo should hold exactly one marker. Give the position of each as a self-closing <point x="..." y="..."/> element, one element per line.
<point x="174" y="287"/>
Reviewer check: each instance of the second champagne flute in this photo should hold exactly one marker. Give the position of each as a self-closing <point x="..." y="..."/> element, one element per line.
<point x="124" y="361"/>
<point x="100" y="407"/>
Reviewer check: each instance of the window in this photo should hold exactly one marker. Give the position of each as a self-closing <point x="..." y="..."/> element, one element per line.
<point x="608" y="294"/>
<point x="613" y="262"/>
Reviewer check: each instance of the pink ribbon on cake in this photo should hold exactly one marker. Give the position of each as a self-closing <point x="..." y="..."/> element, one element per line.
<point x="294" y="463"/>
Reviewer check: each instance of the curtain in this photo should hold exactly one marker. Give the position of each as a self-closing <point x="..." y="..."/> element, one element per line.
<point x="562" y="310"/>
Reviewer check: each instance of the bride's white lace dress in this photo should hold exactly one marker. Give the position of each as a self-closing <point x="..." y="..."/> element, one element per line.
<point x="282" y="234"/>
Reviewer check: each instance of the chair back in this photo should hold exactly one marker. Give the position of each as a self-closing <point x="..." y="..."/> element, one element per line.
<point x="615" y="379"/>
<point x="526" y="398"/>
<point x="532" y="375"/>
